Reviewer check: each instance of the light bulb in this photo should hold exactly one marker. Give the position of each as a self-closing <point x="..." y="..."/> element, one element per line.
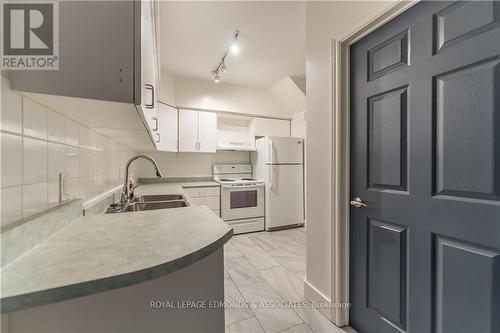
<point x="234" y="47"/>
<point x="216" y="79"/>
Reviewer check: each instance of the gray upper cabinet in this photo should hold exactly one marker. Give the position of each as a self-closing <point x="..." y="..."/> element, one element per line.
<point x="99" y="54"/>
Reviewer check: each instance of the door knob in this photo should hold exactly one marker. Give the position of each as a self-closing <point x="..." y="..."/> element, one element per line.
<point x="358" y="203"/>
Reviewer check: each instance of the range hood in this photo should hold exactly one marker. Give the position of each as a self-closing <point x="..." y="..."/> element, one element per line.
<point x="233" y="133"/>
<point x="236" y="145"/>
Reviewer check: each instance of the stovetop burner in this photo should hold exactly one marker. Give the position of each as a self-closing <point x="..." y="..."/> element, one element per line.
<point x="226" y="180"/>
<point x="249" y="179"/>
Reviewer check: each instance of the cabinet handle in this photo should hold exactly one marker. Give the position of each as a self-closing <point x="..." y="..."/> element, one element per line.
<point x="157" y="137"/>
<point x="156" y="124"/>
<point x="272" y="161"/>
<point x="152" y="105"/>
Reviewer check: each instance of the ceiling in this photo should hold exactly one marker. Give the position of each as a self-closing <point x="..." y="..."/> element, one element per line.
<point x="194" y="35"/>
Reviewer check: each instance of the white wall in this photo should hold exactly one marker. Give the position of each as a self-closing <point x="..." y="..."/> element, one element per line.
<point x="189" y="164"/>
<point x="324" y="21"/>
<point x="298" y="124"/>
<point x="167" y="87"/>
<point x="38" y="144"/>
<point x="227" y="97"/>
<point x="290" y="95"/>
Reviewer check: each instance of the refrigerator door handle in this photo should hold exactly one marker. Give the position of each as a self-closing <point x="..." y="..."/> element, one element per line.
<point x="271" y="181"/>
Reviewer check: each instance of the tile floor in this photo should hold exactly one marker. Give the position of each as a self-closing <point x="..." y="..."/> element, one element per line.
<point x="269" y="267"/>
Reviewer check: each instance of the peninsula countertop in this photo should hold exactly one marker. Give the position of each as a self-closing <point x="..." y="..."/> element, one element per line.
<point x="109" y="251"/>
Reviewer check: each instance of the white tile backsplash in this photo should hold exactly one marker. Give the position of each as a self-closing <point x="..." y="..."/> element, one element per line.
<point x="34" y="198"/>
<point x="34" y="119"/>
<point x="38" y="144"/>
<point x="56" y="127"/>
<point x="72" y="161"/>
<point x="85" y="138"/>
<point x="189" y="164"/>
<point x="86" y="186"/>
<point x="73" y="188"/>
<point x="34" y="161"/>
<point x="71" y="132"/>
<point x="11" y="117"/>
<point x="86" y="161"/>
<point x="57" y="161"/>
<point x="11" y="206"/>
<point x="53" y="193"/>
<point x="12" y="154"/>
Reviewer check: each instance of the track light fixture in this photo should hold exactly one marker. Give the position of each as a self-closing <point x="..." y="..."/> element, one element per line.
<point x="221" y="66"/>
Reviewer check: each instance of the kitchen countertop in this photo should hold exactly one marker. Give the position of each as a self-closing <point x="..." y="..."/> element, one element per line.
<point x="109" y="251"/>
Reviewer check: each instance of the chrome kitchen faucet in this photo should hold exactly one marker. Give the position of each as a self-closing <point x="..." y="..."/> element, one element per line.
<point x="125" y="190"/>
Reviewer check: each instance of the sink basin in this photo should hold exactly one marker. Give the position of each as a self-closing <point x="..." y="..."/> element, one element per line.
<point x="140" y="206"/>
<point x="159" y="197"/>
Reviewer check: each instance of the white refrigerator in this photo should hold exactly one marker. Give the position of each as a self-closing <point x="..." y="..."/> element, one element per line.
<point x="280" y="162"/>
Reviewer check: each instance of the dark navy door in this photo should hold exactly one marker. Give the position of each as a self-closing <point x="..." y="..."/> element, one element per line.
<point x="425" y="160"/>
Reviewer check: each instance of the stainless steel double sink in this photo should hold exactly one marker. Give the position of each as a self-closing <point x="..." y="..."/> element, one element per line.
<point x="152" y="202"/>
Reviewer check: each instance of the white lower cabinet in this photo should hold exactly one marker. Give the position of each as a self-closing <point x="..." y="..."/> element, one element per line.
<point x="206" y="196"/>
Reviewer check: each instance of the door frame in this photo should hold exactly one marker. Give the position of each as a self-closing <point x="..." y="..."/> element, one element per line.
<point x="340" y="53"/>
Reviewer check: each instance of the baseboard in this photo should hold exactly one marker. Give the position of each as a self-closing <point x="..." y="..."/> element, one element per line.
<point x="314" y="295"/>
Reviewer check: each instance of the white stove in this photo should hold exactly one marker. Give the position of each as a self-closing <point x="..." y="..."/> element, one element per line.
<point x="242" y="197"/>
<point x="235" y="174"/>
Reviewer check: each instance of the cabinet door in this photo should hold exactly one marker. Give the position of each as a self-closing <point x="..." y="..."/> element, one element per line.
<point x="167" y="128"/>
<point x="281" y="127"/>
<point x="96" y="53"/>
<point x="207" y="130"/>
<point x="188" y="131"/>
<point x="148" y="66"/>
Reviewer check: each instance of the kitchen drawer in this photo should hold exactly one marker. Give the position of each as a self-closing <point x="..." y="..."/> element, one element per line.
<point x="198" y="201"/>
<point x="210" y="202"/>
<point x="196" y="192"/>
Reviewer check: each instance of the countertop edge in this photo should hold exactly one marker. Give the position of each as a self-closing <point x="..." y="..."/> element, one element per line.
<point x="25" y="301"/>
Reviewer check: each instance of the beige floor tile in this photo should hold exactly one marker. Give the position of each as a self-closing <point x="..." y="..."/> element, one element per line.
<point x="293" y="263"/>
<point x="236" y="308"/>
<point x="250" y="325"/>
<point x="255" y="255"/>
<point x="302" y="328"/>
<point x="269" y="307"/>
<point x="231" y="251"/>
<point x="241" y="271"/>
<point x="317" y="321"/>
<point x="287" y="285"/>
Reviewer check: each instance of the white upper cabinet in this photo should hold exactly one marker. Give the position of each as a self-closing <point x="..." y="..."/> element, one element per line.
<point x="149" y="86"/>
<point x="188" y="131"/>
<point x="270" y="127"/>
<point x="197" y="131"/>
<point x="99" y="51"/>
<point x="166" y="136"/>
<point x="207" y="132"/>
